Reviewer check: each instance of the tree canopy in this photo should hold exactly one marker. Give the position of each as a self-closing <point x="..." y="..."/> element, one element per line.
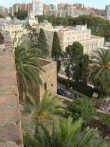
<point x="56" y="50"/>
<point x="42" y="43"/>
<point x="100" y="71"/>
<point x="76" y="63"/>
<point x="83" y="108"/>
<point x="99" y="26"/>
<point x="21" y="14"/>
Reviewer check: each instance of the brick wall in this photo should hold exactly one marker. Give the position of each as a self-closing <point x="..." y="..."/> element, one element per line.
<point x="10" y="125"/>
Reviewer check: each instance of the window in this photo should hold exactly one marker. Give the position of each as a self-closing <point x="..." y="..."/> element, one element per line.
<point x="45" y="86"/>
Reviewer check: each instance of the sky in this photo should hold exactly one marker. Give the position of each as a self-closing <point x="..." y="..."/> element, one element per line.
<point x="89" y="3"/>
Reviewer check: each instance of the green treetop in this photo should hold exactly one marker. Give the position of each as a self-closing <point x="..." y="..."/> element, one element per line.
<point x="42" y="43"/>
<point x="21" y="14"/>
<point x="56" y="48"/>
<point x="76" y="63"/>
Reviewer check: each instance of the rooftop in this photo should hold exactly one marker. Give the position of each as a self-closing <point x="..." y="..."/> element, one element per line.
<point x="77" y="28"/>
<point x="43" y="62"/>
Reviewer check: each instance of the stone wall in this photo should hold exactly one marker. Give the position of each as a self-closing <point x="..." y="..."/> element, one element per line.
<point x="10" y="124"/>
<point x="48" y="77"/>
<point x="49" y="35"/>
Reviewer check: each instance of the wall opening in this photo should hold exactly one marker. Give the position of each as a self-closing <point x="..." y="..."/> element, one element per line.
<point x="45" y="86"/>
<point x="1" y="39"/>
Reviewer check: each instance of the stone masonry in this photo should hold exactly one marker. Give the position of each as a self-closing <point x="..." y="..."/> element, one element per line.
<point x="48" y="77"/>
<point x="10" y="124"/>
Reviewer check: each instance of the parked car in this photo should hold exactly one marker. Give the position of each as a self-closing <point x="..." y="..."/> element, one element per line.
<point x="60" y="91"/>
<point x="68" y="94"/>
<point x="76" y="96"/>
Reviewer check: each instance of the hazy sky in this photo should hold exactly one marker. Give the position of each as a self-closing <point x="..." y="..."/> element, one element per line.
<point x="89" y="3"/>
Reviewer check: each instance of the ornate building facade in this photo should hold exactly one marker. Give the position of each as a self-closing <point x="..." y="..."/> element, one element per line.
<point x="81" y="34"/>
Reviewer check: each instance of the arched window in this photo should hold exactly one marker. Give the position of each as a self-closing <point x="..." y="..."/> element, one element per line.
<point x="1" y="39"/>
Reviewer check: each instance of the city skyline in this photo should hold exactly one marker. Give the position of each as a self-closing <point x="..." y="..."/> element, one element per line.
<point x="87" y="3"/>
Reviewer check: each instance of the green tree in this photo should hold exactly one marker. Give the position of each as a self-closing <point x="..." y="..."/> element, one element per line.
<point x="105" y="119"/>
<point x="100" y="71"/>
<point x="81" y="69"/>
<point x="76" y="63"/>
<point x="56" y="50"/>
<point x="99" y="26"/>
<point x="63" y="133"/>
<point x="42" y="44"/>
<point x="73" y="54"/>
<point x="41" y="18"/>
<point x="27" y="67"/>
<point x="32" y="35"/>
<point x="83" y="108"/>
<point x="38" y="41"/>
<point x="21" y="14"/>
<point x="48" y="106"/>
<point x="31" y="40"/>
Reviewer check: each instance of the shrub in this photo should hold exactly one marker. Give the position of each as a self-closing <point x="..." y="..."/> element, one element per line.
<point x="105" y="119"/>
<point x="83" y="108"/>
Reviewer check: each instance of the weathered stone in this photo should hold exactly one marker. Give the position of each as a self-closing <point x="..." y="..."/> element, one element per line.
<point x="48" y="77"/>
<point x="10" y="127"/>
<point x="9" y="144"/>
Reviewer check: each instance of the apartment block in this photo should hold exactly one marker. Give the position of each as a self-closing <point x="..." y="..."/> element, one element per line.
<point x="3" y="11"/>
<point x="24" y="6"/>
<point x="50" y="10"/>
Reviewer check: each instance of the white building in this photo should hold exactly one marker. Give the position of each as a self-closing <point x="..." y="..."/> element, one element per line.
<point x="37" y="7"/>
<point x="68" y="35"/>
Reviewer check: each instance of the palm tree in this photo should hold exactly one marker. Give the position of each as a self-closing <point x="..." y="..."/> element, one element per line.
<point x="48" y="106"/>
<point x="100" y="71"/>
<point x="63" y="133"/>
<point x="27" y="67"/>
